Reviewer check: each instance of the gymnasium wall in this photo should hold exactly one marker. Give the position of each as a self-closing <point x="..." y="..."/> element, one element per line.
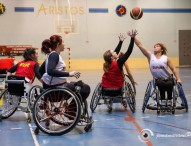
<point x="27" y="22"/>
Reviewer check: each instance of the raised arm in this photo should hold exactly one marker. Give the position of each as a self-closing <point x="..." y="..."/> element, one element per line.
<point x="142" y="48"/>
<point x="121" y="39"/>
<point x="123" y="59"/>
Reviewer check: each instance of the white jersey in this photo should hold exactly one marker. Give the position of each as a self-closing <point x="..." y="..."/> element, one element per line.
<point x="158" y="67"/>
<point x="50" y="80"/>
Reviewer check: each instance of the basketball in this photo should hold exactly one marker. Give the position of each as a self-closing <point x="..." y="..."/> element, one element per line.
<point x="136" y="13"/>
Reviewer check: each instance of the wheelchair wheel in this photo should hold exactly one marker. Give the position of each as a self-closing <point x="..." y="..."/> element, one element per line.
<point x="57" y="111"/>
<point x="95" y="97"/>
<point x="182" y="97"/>
<point x="34" y="92"/>
<point x="130" y="96"/>
<point x="8" y="104"/>
<point x="147" y="96"/>
<point x="128" y="80"/>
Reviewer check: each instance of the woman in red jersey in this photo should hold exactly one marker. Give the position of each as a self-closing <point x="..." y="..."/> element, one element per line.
<point x="29" y="67"/>
<point x="113" y="76"/>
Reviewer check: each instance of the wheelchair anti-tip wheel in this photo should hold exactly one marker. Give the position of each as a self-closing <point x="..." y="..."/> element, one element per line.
<point x="95" y="97"/>
<point x="59" y="107"/>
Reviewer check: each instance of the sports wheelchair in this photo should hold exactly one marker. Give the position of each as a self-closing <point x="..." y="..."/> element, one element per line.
<point x="125" y="95"/>
<point x="18" y="94"/>
<point x="152" y="99"/>
<point x="58" y="110"/>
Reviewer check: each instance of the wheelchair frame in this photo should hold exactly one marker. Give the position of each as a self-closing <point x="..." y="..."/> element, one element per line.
<point x="2" y="82"/>
<point x="128" y="93"/>
<point x="152" y="92"/>
<point x="62" y="110"/>
<point x="13" y="101"/>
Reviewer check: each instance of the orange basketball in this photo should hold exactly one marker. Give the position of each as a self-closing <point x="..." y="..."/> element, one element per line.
<point x="136" y="13"/>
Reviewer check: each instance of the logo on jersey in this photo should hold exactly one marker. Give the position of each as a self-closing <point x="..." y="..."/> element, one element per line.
<point x="158" y="67"/>
<point x="25" y="64"/>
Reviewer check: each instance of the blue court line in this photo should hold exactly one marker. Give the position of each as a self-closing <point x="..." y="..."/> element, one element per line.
<point x="98" y="10"/>
<point x="24" y="9"/>
<point x="178" y="10"/>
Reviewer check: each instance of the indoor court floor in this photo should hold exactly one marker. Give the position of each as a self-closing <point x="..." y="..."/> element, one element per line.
<point x="119" y="128"/>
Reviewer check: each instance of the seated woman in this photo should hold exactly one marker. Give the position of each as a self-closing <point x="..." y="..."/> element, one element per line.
<point x="159" y="62"/>
<point x="113" y="77"/>
<point x="28" y="68"/>
<point x="53" y="68"/>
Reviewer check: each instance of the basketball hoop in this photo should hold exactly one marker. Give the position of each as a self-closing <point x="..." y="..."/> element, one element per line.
<point x="66" y="30"/>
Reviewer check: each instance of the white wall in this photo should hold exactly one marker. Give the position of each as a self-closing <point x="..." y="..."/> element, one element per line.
<point x="97" y="31"/>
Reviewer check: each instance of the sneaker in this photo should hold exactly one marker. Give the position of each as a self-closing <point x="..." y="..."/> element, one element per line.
<point x="169" y="102"/>
<point x="163" y="103"/>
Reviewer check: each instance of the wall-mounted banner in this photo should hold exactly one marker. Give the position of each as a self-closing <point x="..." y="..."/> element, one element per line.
<point x="2" y="9"/>
<point x="14" y="50"/>
<point x="121" y="10"/>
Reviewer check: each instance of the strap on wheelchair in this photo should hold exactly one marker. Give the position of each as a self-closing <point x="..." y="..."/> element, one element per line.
<point x="111" y="91"/>
<point x="2" y="76"/>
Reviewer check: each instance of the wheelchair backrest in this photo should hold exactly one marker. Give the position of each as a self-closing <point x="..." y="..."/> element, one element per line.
<point x="16" y="85"/>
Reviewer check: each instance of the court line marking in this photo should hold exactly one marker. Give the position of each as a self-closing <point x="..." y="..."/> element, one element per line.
<point x="32" y="133"/>
<point x="139" y="129"/>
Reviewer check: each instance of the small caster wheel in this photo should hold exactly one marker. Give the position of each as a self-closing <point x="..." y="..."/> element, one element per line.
<point x="158" y="112"/>
<point x="36" y="131"/>
<point x="173" y="112"/>
<point x="29" y="120"/>
<point x="88" y="127"/>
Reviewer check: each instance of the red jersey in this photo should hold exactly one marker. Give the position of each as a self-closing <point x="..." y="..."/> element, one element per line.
<point x="6" y="63"/>
<point x="114" y="77"/>
<point x="26" y="69"/>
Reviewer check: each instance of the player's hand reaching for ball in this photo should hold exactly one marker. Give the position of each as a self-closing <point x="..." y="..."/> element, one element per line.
<point x="132" y="33"/>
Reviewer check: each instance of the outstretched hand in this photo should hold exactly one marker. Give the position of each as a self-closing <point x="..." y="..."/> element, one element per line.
<point x="122" y="37"/>
<point x="132" y="33"/>
<point x="75" y="74"/>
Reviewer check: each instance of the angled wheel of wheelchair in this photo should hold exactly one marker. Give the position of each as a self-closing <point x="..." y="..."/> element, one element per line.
<point x="9" y="104"/>
<point x="147" y="96"/>
<point x="128" y="80"/>
<point x="130" y="96"/>
<point x="95" y="97"/>
<point x="34" y="92"/>
<point x="57" y="111"/>
<point x="182" y="97"/>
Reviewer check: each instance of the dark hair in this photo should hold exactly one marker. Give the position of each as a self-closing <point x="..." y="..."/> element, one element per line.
<point x="51" y="44"/>
<point x="28" y="54"/>
<point x="163" y="47"/>
<point x="107" y="57"/>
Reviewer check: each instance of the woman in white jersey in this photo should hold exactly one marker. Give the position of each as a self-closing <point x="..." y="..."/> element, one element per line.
<point x="53" y="69"/>
<point x="159" y="62"/>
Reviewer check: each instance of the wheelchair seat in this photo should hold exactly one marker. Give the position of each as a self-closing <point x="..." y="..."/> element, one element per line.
<point x="112" y="92"/>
